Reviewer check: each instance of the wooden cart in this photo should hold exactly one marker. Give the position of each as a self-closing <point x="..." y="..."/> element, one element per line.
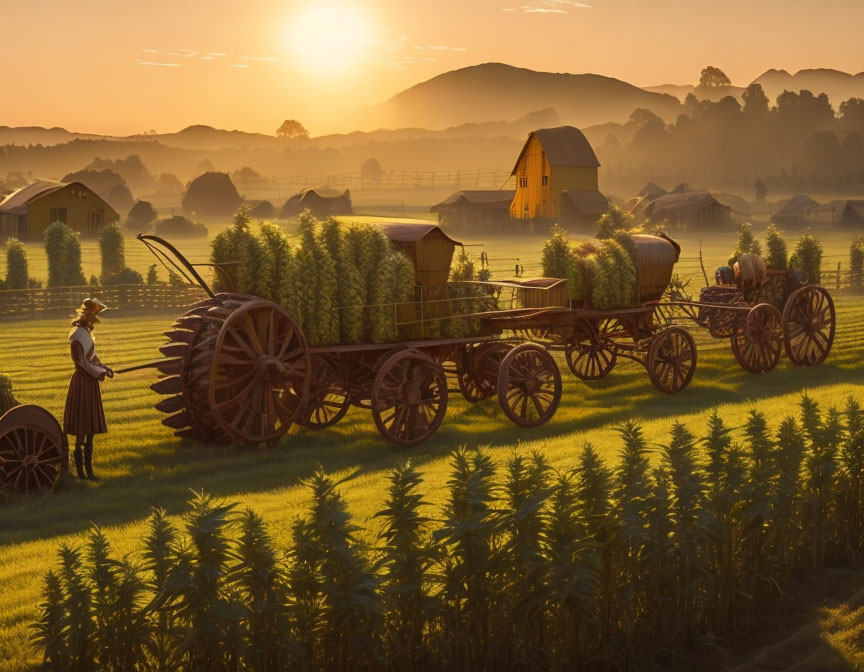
<point x="786" y="313"/>
<point x="34" y="455"/>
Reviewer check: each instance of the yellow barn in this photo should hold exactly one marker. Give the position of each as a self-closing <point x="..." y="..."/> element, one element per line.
<point x="26" y="213"/>
<point x="552" y="162"/>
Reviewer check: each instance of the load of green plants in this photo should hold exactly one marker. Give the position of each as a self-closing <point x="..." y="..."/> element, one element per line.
<point x="339" y="281"/>
<point x="808" y="256"/>
<point x="465" y="298"/>
<point x="608" y="267"/>
<point x="747" y="243"/>
<point x="655" y="560"/>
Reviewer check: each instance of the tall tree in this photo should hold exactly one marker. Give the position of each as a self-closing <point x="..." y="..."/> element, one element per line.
<point x="713" y="78"/>
<point x="290" y="129"/>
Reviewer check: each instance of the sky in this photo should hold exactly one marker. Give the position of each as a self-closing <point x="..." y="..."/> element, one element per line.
<point x="130" y="66"/>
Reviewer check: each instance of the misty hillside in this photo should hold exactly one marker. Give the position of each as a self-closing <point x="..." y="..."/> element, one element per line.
<point x="493" y="91"/>
<point x="838" y="85"/>
<point x="37" y="135"/>
<point x="681" y="91"/>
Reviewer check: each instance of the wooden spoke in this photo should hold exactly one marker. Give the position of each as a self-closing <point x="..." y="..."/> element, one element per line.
<point x="33" y="453"/>
<point x="327" y="401"/>
<point x="529" y="385"/>
<point x="758" y="346"/>
<point x="477" y="370"/>
<point x="809" y="323"/>
<point x="671" y="360"/>
<point x="588" y="356"/>
<point x="259" y="355"/>
<point x="409" y="398"/>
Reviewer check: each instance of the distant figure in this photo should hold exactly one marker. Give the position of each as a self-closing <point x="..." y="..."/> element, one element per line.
<point x="750" y="271"/>
<point x="724" y="275"/>
<point x="84" y="416"/>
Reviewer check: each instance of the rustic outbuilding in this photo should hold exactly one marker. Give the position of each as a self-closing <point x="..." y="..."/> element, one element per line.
<point x="796" y="212"/>
<point x="261" y="210"/>
<point x="27" y="212"/>
<point x="581" y="207"/>
<point x="652" y="191"/>
<point x="485" y="210"/>
<point x="552" y="161"/>
<point x="696" y="210"/>
<point x="853" y="215"/>
<point x="321" y="202"/>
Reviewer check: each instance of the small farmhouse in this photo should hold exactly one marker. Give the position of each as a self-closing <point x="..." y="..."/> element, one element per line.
<point x="428" y="248"/>
<point x="485" y="210"/>
<point x="27" y="212"/>
<point x="695" y="210"/>
<point x="853" y="215"/>
<point x="321" y="202"/>
<point x="552" y="162"/>
<point x="796" y="212"/>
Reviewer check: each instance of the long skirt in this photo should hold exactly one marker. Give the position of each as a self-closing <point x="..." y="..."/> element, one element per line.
<point x="84" y="414"/>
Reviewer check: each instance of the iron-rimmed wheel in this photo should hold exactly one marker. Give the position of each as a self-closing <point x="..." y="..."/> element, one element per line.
<point x="586" y="356"/>
<point x="259" y="354"/>
<point x="327" y="401"/>
<point x="809" y="323"/>
<point x="671" y="360"/>
<point x="758" y="346"/>
<point x="34" y="456"/>
<point x="529" y="385"/>
<point x="409" y="398"/>
<point x="477" y="369"/>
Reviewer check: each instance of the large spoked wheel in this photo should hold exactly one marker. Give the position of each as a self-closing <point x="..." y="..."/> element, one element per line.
<point x="327" y="401"/>
<point x="477" y="370"/>
<point x="757" y="348"/>
<point x="809" y="322"/>
<point x="671" y="360"/>
<point x="409" y="398"/>
<point x="587" y="358"/>
<point x="529" y="385"/>
<point x="34" y="456"/>
<point x="259" y="356"/>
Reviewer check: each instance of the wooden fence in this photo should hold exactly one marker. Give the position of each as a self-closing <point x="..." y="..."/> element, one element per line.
<point x="33" y="302"/>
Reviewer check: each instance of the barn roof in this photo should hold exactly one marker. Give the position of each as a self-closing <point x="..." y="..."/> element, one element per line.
<point x="321" y="192"/>
<point x="681" y="205"/>
<point x="797" y="206"/>
<point x="564" y="146"/>
<point x="853" y="212"/>
<point x="737" y="203"/>
<point x="410" y="232"/>
<point x="16" y="202"/>
<point x="477" y="197"/>
<point x="589" y="201"/>
<point x="652" y="191"/>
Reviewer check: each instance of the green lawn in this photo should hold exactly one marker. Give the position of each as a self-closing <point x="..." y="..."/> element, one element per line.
<point x="143" y="465"/>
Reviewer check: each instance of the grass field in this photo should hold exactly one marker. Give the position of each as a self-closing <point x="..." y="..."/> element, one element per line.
<point x="142" y="465"/>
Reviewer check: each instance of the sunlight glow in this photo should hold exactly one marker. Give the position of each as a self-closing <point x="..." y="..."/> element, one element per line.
<point x="329" y="40"/>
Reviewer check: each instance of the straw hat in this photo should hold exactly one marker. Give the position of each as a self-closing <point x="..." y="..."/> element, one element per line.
<point x="94" y="306"/>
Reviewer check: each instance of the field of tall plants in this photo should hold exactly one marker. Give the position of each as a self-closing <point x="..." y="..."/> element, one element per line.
<point x="594" y="566"/>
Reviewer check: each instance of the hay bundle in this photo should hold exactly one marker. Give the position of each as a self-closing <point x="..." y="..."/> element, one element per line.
<point x="600" y="274"/>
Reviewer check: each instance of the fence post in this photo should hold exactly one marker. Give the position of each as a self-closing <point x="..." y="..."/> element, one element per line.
<point x="839" y="264"/>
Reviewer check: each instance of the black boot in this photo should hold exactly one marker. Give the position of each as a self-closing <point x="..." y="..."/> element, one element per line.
<point x="78" y="455"/>
<point x="88" y="461"/>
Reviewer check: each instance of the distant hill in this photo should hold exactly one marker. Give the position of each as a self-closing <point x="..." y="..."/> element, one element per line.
<point x="37" y="135"/>
<point x="207" y="137"/>
<point x="493" y="91"/>
<point x="838" y="85"/>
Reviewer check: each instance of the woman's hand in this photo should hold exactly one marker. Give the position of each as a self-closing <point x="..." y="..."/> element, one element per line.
<point x="109" y="371"/>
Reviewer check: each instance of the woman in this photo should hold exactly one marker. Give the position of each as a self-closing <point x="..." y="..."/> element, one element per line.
<point x="84" y="416"/>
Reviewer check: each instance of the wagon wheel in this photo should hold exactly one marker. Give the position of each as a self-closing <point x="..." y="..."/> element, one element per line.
<point x="671" y="359"/>
<point x="259" y="354"/>
<point x="809" y="322"/>
<point x="477" y="370"/>
<point x="587" y="357"/>
<point x="759" y="346"/>
<point x="327" y="401"/>
<point x="34" y="456"/>
<point x="529" y="385"/>
<point x="409" y="398"/>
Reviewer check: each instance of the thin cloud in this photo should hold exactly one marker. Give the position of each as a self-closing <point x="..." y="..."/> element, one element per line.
<point x="183" y="53"/>
<point x="441" y="47"/>
<point x="542" y="10"/>
<point x="150" y="51"/>
<point x="548" y="7"/>
<point x="216" y="53"/>
<point x="239" y="65"/>
<point x="138" y="61"/>
<point x="263" y="59"/>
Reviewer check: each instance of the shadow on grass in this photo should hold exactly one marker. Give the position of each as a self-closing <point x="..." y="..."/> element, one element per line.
<point x="164" y="474"/>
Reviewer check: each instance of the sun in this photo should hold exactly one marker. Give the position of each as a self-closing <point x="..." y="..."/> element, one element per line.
<point x="329" y="39"/>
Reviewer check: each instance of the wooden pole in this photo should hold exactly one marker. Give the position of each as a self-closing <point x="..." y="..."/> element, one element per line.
<point x="702" y="265"/>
